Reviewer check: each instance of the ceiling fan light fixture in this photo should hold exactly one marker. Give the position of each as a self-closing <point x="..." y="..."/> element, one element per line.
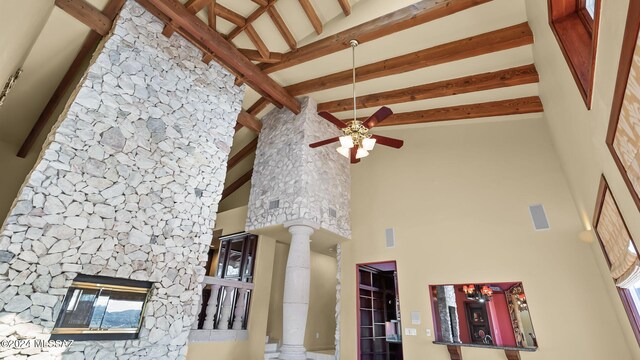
<point x="368" y="143"/>
<point x="346" y="141"/>
<point x="344" y="151"/>
<point x="361" y="153"/>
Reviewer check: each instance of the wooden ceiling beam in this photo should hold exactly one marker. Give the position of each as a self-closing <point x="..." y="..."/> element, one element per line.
<point x="312" y="15"/>
<point x="255" y="55"/>
<point x="87" y="14"/>
<point x="226" y="52"/>
<point x="525" y="105"/>
<point x="405" y="18"/>
<point x="257" y="41"/>
<point x="261" y="2"/>
<point x="498" y="40"/>
<point x="520" y="75"/>
<point x="211" y="15"/>
<point x="242" y="154"/>
<point x="249" y="121"/>
<point x="250" y="19"/>
<point x="230" y="15"/>
<point x="237" y="184"/>
<point x="282" y="28"/>
<point x="346" y="7"/>
<point x="258" y="106"/>
<point x="88" y="47"/>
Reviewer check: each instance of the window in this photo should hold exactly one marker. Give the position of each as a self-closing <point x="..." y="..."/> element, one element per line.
<point x="102" y="308"/>
<point x="237" y="257"/>
<point x="620" y="252"/>
<point x="575" y="25"/>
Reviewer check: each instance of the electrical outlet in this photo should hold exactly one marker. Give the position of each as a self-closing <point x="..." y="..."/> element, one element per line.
<point x="428" y="332"/>
<point x="317" y="335"/>
<point x="410" y="332"/>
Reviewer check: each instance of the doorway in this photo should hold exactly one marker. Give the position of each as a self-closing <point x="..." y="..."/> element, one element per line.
<point x="378" y="303"/>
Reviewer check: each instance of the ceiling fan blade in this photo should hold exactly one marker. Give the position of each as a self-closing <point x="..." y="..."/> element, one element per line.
<point x="382" y="113"/>
<point x="337" y="122"/>
<point x="354" y="150"/>
<point x="324" y="142"/>
<point x="387" y="141"/>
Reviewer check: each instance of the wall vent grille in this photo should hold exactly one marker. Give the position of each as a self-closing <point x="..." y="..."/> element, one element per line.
<point x="539" y="217"/>
<point x="390" y="235"/>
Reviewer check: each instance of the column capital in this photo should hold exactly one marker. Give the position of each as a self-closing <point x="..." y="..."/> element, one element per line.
<point x="301" y="222"/>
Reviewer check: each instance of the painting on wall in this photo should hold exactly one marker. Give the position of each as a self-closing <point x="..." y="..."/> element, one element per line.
<point x="623" y="136"/>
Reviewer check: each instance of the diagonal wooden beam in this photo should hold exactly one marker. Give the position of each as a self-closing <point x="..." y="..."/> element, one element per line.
<point x="243" y="153"/>
<point x="230" y="15"/>
<point x="249" y="121"/>
<point x="261" y="2"/>
<point x="250" y="19"/>
<point x="226" y="52"/>
<point x="346" y="7"/>
<point x="525" y="105"/>
<point x="236" y="184"/>
<point x="88" y="47"/>
<point x="255" y="55"/>
<point x="312" y="15"/>
<point x="498" y="40"/>
<point x="258" y="106"/>
<point x="520" y="75"/>
<point x="257" y="41"/>
<point x="282" y="28"/>
<point x="405" y="18"/>
<point x="87" y="14"/>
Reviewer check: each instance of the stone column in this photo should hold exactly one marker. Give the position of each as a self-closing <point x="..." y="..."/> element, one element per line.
<point x="296" y="291"/>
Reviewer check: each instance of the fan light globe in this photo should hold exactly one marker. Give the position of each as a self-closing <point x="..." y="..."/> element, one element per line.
<point x="368" y="143"/>
<point x="361" y="153"/>
<point x="346" y="141"/>
<point x="344" y="151"/>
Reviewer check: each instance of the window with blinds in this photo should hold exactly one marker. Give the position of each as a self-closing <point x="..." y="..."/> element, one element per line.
<point x="620" y="252"/>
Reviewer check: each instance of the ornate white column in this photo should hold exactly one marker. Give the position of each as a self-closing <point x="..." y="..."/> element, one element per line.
<point x="296" y="290"/>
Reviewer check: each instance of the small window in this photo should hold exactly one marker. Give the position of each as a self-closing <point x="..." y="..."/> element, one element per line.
<point x="575" y="26"/>
<point x="102" y="308"/>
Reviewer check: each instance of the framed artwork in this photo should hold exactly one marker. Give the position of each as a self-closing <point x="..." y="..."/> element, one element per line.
<point x="623" y="135"/>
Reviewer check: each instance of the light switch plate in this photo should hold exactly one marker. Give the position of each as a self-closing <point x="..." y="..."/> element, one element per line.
<point x="410" y="332"/>
<point x="428" y="332"/>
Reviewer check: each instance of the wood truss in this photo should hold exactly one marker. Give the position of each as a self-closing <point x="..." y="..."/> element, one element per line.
<point x="187" y="21"/>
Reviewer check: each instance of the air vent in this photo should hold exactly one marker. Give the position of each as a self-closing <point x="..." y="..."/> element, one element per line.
<point x="390" y="235"/>
<point x="332" y="212"/>
<point x="274" y="204"/>
<point x="539" y="217"/>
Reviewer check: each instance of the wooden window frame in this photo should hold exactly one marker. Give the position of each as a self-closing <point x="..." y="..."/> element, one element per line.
<point x="577" y="35"/>
<point x="629" y="42"/>
<point x="625" y="294"/>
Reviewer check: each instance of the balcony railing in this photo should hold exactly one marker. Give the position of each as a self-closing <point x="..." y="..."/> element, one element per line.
<point x="224" y="304"/>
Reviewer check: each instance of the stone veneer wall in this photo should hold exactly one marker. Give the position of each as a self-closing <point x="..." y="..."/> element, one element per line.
<point x="446" y="299"/>
<point x="127" y="186"/>
<point x="306" y="182"/>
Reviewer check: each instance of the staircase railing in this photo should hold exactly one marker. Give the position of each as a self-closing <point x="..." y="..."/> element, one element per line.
<point x="224" y="304"/>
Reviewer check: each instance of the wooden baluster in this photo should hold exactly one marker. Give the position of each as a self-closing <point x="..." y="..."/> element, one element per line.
<point x="225" y="313"/>
<point x="238" y="316"/>
<point x="212" y="307"/>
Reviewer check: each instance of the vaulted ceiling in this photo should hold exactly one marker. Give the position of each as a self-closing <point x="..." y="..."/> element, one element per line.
<point x="429" y="60"/>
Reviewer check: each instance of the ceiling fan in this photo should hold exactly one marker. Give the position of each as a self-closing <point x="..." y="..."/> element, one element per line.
<point x="357" y="141"/>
